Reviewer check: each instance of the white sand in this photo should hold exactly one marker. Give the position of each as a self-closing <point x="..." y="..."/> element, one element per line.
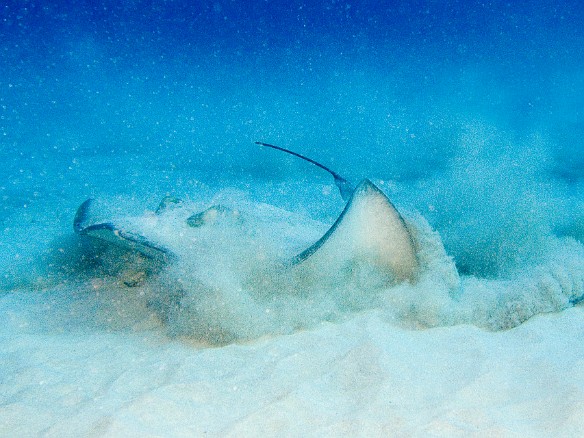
<point x="361" y="377"/>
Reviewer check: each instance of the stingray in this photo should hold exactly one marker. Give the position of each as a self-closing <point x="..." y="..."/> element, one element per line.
<point x="369" y="233"/>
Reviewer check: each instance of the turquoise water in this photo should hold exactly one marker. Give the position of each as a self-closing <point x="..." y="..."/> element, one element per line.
<point x="474" y="108"/>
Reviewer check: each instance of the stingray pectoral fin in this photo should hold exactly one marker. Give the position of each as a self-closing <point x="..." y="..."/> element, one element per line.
<point x="370" y="231"/>
<point x="111" y="233"/>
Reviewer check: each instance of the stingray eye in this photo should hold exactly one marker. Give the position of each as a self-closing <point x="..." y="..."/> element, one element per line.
<point x="203" y="218"/>
<point x="213" y="215"/>
<point x="168" y="203"/>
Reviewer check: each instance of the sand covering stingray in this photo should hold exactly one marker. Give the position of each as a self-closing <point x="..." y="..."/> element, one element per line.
<point x="369" y="244"/>
<point x="229" y="270"/>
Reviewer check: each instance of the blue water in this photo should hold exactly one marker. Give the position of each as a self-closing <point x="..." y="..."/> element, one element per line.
<point x="404" y="92"/>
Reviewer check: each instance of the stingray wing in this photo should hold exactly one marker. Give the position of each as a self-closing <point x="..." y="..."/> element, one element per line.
<point x="369" y="229"/>
<point x="84" y="224"/>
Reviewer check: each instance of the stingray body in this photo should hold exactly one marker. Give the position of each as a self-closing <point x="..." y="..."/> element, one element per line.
<point x="369" y="241"/>
<point x="369" y="231"/>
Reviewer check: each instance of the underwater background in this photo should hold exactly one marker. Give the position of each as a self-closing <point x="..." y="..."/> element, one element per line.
<point x="467" y="114"/>
<point x="476" y="107"/>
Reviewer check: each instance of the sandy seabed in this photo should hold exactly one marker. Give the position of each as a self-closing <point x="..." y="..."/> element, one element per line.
<point x="73" y="376"/>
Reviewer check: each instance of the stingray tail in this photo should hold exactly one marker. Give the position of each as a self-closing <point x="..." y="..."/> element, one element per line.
<point x="345" y="187"/>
